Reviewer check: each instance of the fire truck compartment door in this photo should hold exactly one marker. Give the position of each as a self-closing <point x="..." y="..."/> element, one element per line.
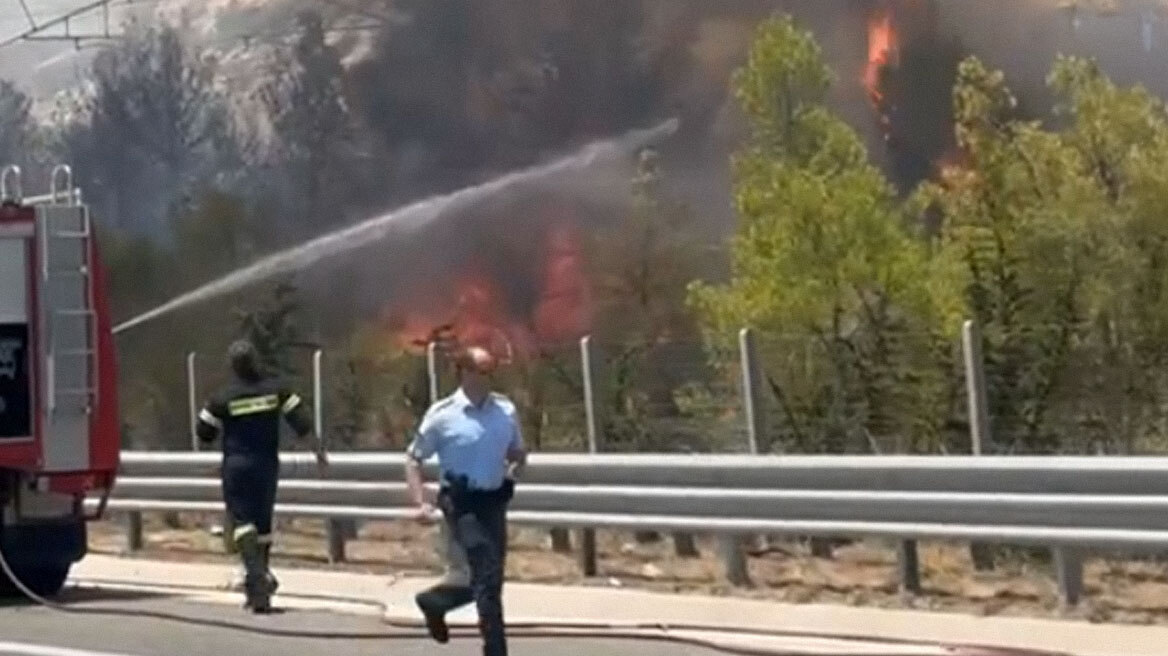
<point x="16" y="411"/>
<point x="66" y="310"/>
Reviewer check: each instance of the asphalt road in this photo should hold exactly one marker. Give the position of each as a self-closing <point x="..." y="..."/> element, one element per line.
<point x="35" y="631"/>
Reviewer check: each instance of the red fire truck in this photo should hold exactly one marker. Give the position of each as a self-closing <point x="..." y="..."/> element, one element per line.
<point x="59" y="433"/>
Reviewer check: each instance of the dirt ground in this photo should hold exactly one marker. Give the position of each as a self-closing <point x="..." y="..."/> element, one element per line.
<point x="858" y="574"/>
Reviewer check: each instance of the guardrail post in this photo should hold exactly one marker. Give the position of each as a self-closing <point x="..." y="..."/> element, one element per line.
<point x="734" y="559"/>
<point x="588" y="374"/>
<point x="908" y="566"/>
<point x="979" y="418"/>
<point x="1068" y="563"/>
<point x="134" y="531"/>
<point x="684" y="545"/>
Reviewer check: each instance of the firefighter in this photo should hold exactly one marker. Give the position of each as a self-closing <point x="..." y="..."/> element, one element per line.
<point x="247" y="415"/>
<point x="475" y="434"/>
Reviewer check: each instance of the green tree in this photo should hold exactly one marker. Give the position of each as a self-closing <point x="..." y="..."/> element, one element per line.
<point x="824" y="253"/>
<point x="1121" y="136"/>
<point x="917" y="105"/>
<point x="641" y="268"/>
<point x="1027" y="223"/>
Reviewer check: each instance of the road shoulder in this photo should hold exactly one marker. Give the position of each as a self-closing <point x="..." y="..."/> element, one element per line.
<point x="744" y="622"/>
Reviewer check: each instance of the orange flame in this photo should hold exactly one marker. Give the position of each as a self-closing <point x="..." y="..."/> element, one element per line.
<point x="565" y="308"/>
<point x="475" y="307"/>
<point x="882" y="44"/>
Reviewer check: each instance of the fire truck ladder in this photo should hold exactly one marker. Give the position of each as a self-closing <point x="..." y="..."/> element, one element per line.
<point x="67" y="269"/>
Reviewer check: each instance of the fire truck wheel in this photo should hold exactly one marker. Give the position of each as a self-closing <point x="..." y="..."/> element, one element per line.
<point x="48" y="581"/>
<point x="45" y="581"/>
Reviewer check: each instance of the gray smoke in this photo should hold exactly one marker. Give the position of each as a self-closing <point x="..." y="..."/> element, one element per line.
<point x="404" y="220"/>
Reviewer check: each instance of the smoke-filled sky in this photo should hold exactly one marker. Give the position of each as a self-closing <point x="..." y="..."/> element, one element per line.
<point x="1020" y="36"/>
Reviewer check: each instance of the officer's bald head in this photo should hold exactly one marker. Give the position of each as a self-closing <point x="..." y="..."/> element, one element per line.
<point x="475" y="365"/>
<point x="475" y="359"/>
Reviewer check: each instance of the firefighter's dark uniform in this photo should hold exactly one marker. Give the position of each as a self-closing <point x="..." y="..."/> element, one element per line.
<point x="247" y="413"/>
<point x="472" y="442"/>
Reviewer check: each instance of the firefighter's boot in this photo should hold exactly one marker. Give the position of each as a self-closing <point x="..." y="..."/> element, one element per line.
<point x="255" y="574"/>
<point x="270" y="579"/>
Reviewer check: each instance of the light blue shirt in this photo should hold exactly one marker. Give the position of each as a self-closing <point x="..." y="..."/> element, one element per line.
<point x="469" y="440"/>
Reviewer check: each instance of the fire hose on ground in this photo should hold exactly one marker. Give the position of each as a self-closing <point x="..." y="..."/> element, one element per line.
<point x="642" y="632"/>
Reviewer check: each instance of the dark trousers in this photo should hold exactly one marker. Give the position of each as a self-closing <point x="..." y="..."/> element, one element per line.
<point x="249" y="492"/>
<point x="478" y="523"/>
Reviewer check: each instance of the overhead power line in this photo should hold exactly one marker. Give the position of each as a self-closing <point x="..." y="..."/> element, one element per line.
<point x="27" y="14"/>
<point x="36" y="32"/>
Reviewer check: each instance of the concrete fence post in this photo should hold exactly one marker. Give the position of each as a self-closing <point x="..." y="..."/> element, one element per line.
<point x="192" y="400"/>
<point x="588" y="376"/>
<point x="751" y="377"/>
<point x="975" y="387"/>
<point x="336" y="530"/>
<point x="432" y="370"/>
<point x="456" y="569"/>
<point x="731" y="546"/>
<point x="318" y="397"/>
<point x="171" y="519"/>
<point x="979" y="418"/>
<point x="561" y="538"/>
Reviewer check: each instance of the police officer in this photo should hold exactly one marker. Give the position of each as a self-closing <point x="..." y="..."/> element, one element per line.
<point x="475" y="434"/>
<point x="247" y="414"/>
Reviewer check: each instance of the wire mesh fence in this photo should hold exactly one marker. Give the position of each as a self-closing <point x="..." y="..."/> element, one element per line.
<point x="548" y="391"/>
<point x="668" y="396"/>
<point x="1085" y="393"/>
<point x="373" y="401"/>
<point x="902" y="392"/>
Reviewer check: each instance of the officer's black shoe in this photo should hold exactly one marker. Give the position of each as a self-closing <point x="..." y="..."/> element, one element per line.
<point x="435" y="620"/>
<point x="259" y="605"/>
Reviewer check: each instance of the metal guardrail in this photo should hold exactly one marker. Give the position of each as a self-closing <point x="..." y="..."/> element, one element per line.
<point x="655" y="470"/>
<point x="990" y="474"/>
<point x="1068" y="504"/>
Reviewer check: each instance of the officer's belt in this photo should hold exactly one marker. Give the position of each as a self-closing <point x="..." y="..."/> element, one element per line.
<point x="459" y="490"/>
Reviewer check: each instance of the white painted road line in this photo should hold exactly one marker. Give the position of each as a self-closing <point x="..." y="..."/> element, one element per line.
<point x="27" y="649"/>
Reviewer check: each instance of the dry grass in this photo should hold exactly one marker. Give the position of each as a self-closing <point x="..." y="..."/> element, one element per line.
<point x="859" y="574"/>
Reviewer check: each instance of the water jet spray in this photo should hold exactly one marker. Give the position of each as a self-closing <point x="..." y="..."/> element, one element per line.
<point x="410" y="217"/>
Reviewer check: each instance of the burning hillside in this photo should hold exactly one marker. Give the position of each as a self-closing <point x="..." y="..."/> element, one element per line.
<point x="511" y="305"/>
<point x="908" y="78"/>
<point x="881" y="52"/>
